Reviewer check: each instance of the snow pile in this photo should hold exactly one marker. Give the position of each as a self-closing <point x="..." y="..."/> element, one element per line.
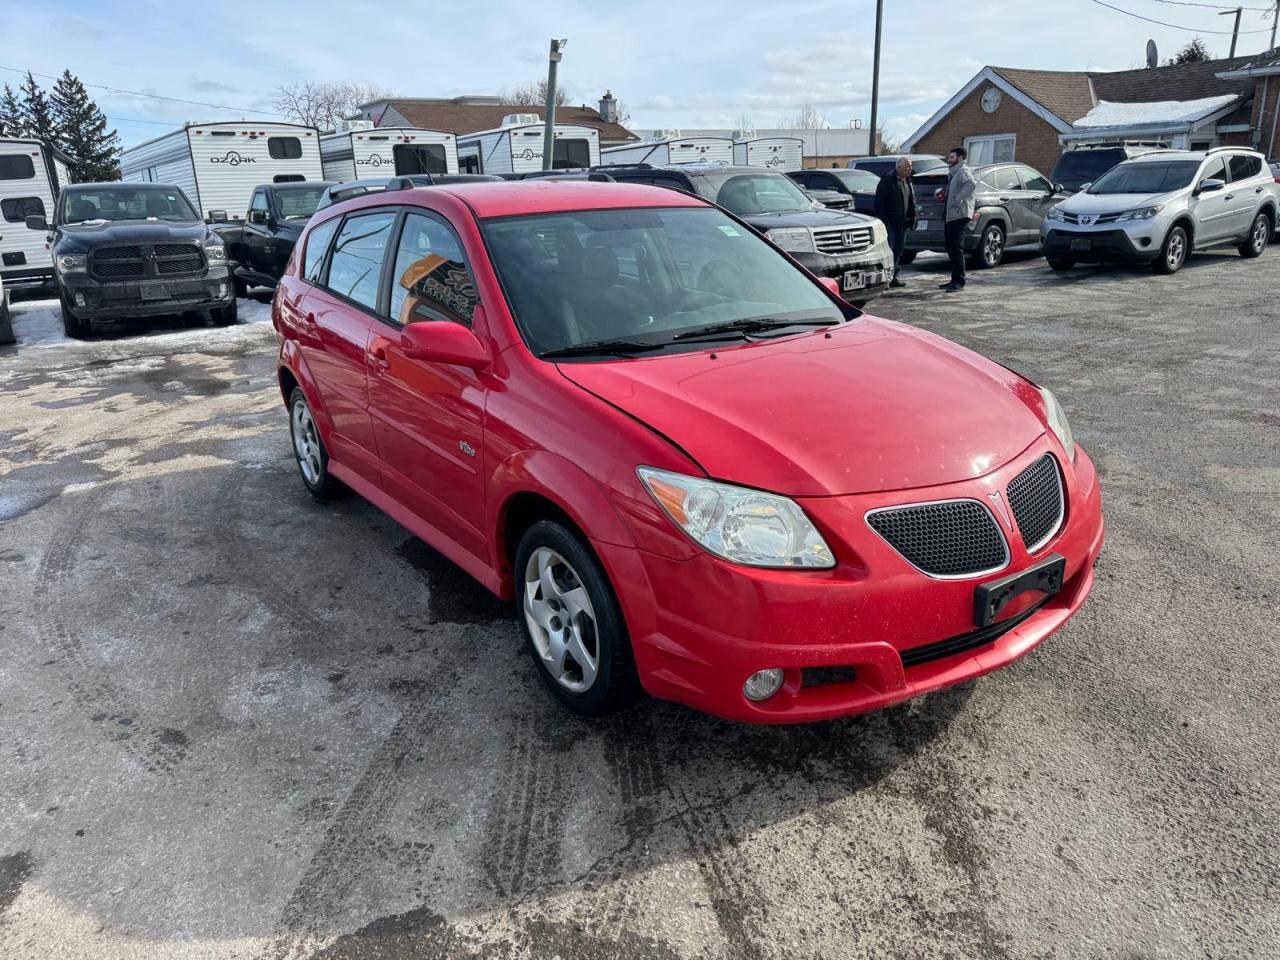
<point x="1107" y="114"/>
<point x="39" y="322"/>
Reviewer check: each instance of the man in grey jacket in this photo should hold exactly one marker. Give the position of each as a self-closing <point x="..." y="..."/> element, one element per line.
<point x="961" y="184"/>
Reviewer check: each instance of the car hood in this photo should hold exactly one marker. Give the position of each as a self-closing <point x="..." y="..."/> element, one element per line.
<point x="818" y="219"/>
<point x="1111" y="202"/>
<point x="133" y="231"/>
<point x="877" y="406"/>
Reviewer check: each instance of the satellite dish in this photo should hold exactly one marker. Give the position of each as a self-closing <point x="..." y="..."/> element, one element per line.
<point x="1153" y="55"/>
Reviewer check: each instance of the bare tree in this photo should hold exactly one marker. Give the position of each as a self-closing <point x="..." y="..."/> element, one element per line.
<point x="885" y="141"/>
<point x="324" y="104"/>
<point x="808" y="119"/>
<point x="535" y="95"/>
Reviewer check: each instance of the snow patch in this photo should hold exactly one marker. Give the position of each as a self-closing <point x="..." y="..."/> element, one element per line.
<point x="1108" y="114"/>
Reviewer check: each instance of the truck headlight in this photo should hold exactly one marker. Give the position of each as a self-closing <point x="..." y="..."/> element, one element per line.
<point x="1056" y="213"/>
<point x="1140" y="213"/>
<point x="215" y="253"/>
<point x="879" y="233"/>
<point x="741" y="525"/>
<point x="793" y="239"/>
<point x="73" y="262"/>
<point x="1058" y="421"/>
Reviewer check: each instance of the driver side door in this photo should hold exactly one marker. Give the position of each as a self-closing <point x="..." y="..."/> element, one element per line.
<point x="1213" y="209"/>
<point x="257" y="233"/>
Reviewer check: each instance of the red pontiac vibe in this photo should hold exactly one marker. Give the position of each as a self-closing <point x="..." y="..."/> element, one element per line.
<point x="693" y="467"/>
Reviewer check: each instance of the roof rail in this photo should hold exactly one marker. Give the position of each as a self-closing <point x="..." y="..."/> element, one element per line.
<point x="633" y="166"/>
<point x="406" y="183"/>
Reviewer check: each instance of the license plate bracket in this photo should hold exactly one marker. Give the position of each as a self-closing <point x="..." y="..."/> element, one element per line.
<point x="990" y="598"/>
<point x="853" y="280"/>
<point x="154" y="291"/>
<point x="922" y="224"/>
<point x="1081" y="244"/>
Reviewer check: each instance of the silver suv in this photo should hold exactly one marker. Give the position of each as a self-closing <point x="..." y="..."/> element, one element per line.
<point x="1159" y="207"/>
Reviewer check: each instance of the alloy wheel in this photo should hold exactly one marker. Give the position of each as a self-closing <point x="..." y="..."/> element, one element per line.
<point x="1177" y="249"/>
<point x="561" y="620"/>
<point x="306" y="444"/>
<point x="993" y="248"/>
<point x="1261" y="230"/>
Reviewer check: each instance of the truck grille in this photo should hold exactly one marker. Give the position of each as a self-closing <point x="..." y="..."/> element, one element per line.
<point x="1035" y="496"/>
<point x="852" y="240"/>
<point x="947" y="538"/>
<point x="134" y="261"/>
<point x="118" y="263"/>
<point x="178" y="258"/>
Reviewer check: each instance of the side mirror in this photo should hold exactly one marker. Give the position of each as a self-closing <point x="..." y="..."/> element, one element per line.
<point x="1059" y="188"/>
<point x="218" y="216"/>
<point x="1084" y="187"/>
<point x="1210" y="185"/>
<point x="441" y="341"/>
<point x="831" y="285"/>
<point x="36" y="221"/>
<point x="257" y="216"/>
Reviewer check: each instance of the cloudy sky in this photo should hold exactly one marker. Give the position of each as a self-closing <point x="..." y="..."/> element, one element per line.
<point x="706" y="63"/>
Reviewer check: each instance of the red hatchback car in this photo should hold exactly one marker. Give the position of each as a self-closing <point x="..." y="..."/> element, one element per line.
<point x="695" y="469"/>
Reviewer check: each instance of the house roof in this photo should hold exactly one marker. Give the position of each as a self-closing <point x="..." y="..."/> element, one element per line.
<point x="465" y="116"/>
<point x="1186" y="81"/>
<point x="1261" y="65"/>
<point x="1067" y="93"/>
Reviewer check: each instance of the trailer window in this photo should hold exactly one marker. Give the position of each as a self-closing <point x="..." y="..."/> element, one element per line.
<point x="284" y="148"/>
<point x="15" y="166"/>
<point x="17" y="209"/>
<point x="570" y="153"/>
<point x="414" y="158"/>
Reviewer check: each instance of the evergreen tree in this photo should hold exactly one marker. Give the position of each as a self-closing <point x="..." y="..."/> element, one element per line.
<point x="37" y="118"/>
<point x="11" y="123"/>
<point x="82" y="132"/>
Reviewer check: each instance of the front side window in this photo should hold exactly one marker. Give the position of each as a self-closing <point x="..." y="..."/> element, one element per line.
<point x="431" y="279"/>
<point x="259" y="202"/>
<point x="1243" y="166"/>
<point x="1033" y="181"/>
<point x="317" y="246"/>
<point x="16" y="166"/>
<point x="1215" y="169"/>
<point x="17" y="209"/>
<point x="284" y="148"/>
<point x="356" y="263"/>
<point x="120" y="202"/>
<point x="748" y="194"/>
<point x="417" y="158"/>
<point x="1153" y="176"/>
<point x="644" y="275"/>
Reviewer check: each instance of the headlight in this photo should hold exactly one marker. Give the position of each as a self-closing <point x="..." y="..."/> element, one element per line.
<point x="794" y="240"/>
<point x="1140" y="213"/>
<point x="72" y="262"/>
<point x="879" y="233"/>
<point x="1058" y="421"/>
<point x="1056" y="214"/>
<point x="215" y="253"/>
<point x="741" y="525"/>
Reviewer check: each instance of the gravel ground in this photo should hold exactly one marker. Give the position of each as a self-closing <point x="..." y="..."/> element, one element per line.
<point x="235" y="723"/>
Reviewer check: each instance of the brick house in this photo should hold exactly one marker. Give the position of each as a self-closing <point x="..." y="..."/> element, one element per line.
<point x="1033" y="115"/>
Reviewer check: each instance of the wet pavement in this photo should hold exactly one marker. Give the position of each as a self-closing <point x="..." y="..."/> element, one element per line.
<point x="237" y="723"/>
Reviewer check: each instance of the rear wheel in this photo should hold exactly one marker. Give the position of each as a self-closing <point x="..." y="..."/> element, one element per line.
<point x="1259" y="235"/>
<point x="72" y="325"/>
<point x="6" y="319"/>
<point x="572" y="622"/>
<point x="908" y="257"/>
<point x="990" y="250"/>
<point x="1056" y="264"/>
<point x="309" y="451"/>
<point x="1173" y="252"/>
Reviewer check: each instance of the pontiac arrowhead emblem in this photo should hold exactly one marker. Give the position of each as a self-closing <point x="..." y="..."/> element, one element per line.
<point x="1002" y="507"/>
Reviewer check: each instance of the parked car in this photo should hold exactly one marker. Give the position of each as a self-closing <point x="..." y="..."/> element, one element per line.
<point x="1086" y="163"/>
<point x="858" y="185"/>
<point x="1160" y="207"/>
<point x="831" y="199"/>
<point x="126" y="250"/>
<point x="6" y="317"/>
<point x="848" y="247"/>
<point x="920" y="163"/>
<point x="260" y="246"/>
<point x="691" y="466"/>
<point x="338" y="192"/>
<point x="1010" y="202"/>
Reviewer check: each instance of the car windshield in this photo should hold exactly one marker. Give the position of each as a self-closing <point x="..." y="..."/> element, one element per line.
<point x="642" y="276"/>
<point x="858" y="181"/>
<point x="747" y="194"/>
<point x="299" y="203"/>
<point x="1153" y="176"/>
<point x="1083" y="166"/>
<point x="117" y="202"/>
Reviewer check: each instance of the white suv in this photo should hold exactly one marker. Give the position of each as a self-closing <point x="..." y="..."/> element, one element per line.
<point x="1159" y="207"/>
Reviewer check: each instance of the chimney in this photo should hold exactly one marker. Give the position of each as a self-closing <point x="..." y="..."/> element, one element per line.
<point x="608" y="108"/>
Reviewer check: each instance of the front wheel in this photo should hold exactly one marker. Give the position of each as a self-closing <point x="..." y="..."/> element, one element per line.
<point x="572" y="623"/>
<point x="225" y="316"/>
<point x="1259" y="235"/>
<point x="242" y="288"/>
<point x="309" y="451"/>
<point x="1060" y="265"/>
<point x="72" y="325"/>
<point x="6" y="320"/>
<point x="990" y="250"/>
<point x="1173" y="252"/>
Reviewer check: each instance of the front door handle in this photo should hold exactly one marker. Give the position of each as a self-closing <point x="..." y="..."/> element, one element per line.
<point x="1231" y="196"/>
<point x="378" y="357"/>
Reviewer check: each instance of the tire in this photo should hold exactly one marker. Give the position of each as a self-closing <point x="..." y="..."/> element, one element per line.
<point x="242" y="288"/>
<point x="6" y="320"/>
<point x="1173" y="252"/>
<point x="990" y="252"/>
<point x="73" y="326"/>
<point x="908" y="257"/>
<point x="309" y="452"/>
<point x="225" y="316"/>
<point x="1061" y="265"/>
<point x="1259" y="236"/>
<point x="563" y="599"/>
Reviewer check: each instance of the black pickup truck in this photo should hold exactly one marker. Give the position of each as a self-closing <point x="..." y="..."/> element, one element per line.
<point x="260" y="247"/>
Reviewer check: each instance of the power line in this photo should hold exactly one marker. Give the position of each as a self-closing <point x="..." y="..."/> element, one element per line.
<point x="1129" y="13"/>
<point x="1215" y="6"/>
<point x="151" y="96"/>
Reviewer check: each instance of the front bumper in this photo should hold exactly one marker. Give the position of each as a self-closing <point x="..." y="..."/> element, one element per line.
<point x="1138" y="242"/>
<point x="93" y="299"/>
<point x="700" y="627"/>
<point x="875" y="265"/>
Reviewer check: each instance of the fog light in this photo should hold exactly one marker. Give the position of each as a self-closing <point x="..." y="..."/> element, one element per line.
<point x="763" y="684"/>
<point x="79" y="299"/>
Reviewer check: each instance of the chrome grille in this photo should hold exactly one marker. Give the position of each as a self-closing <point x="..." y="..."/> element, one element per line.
<point x="118" y="263"/>
<point x="851" y="240"/>
<point x="1100" y="218"/>
<point x="947" y="538"/>
<point x="1035" y="496"/>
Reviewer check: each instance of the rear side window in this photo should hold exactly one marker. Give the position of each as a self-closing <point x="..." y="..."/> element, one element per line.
<point x="284" y="148"/>
<point x="355" y="266"/>
<point x="1006" y="178"/>
<point x="1243" y="166"/>
<point x="431" y="279"/>
<point x="15" y="166"/>
<point x="17" y="209"/>
<point x="317" y="245"/>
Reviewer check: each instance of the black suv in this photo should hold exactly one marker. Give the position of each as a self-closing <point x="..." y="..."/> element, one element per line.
<point x="1082" y="165"/>
<point x="125" y="250"/>
<point x="1010" y="203"/>
<point x="858" y="185"/>
<point x="848" y="247"/>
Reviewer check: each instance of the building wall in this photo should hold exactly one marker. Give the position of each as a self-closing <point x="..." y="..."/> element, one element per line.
<point x="1265" y="116"/>
<point x="1036" y="144"/>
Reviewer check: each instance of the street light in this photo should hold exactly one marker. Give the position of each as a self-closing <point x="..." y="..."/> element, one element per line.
<point x="549" y="114"/>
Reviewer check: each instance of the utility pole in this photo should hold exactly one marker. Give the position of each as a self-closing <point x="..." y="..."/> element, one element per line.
<point x="1275" y="19"/>
<point x="1235" y="33"/>
<point x="875" y="76"/>
<point x="549" y="114"/>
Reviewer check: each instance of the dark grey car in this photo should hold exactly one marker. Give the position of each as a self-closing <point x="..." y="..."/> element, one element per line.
<point x="1011" y="202"/>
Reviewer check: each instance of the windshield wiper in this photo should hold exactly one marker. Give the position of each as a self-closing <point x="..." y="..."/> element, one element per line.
<point x="595" y="348"/>
<point x="750" y="325"/>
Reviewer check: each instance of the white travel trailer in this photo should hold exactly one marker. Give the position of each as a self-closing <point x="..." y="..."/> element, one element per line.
<point x="217" y="165"/>
<point x="775" y="153"/>
<point x="673" y="150"/>
<point x="516" y="147"/>
<point x="31" y="174"/>
<point x="387" y="151"/>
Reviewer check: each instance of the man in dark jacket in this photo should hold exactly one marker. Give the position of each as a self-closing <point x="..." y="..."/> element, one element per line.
<point x="896" y="208"/>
